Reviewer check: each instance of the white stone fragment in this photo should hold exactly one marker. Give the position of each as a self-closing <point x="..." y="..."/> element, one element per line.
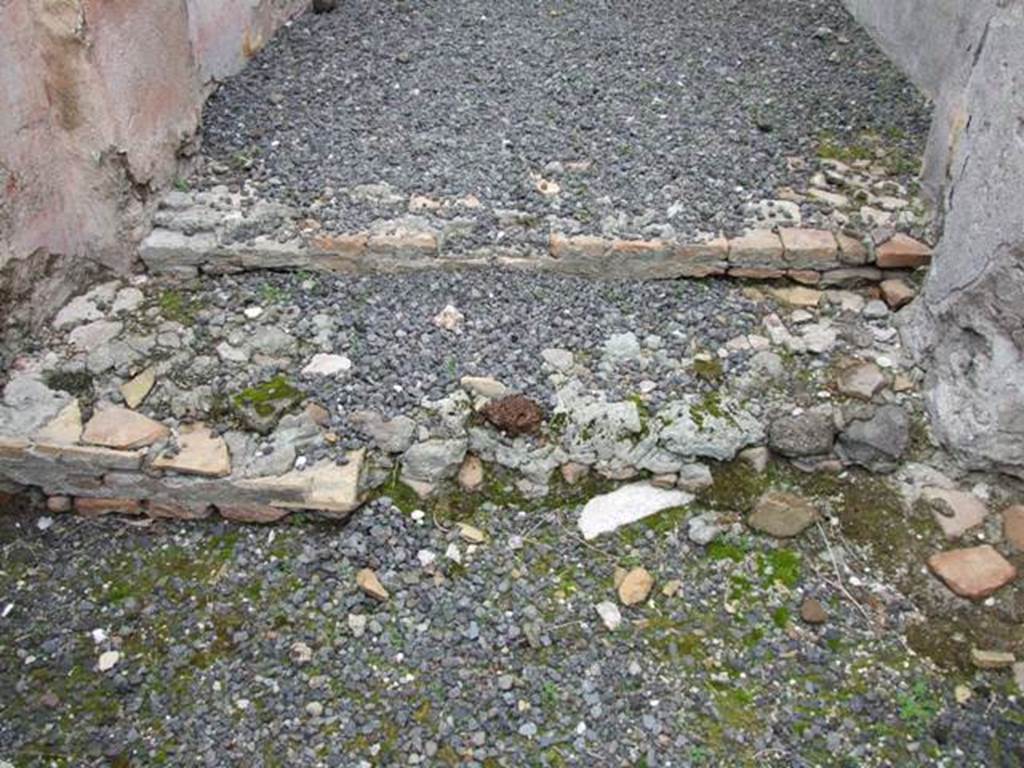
<point x="327" y="365"/>
<point x="108" y="660"/>
<point x="610" y="614"/>
<point x="611" y="511"/>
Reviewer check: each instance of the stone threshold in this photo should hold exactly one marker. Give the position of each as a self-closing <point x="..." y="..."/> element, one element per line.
<point x="212" y="233"/>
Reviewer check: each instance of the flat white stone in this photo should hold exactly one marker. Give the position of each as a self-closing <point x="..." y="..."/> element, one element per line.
<point x="611" y="511"/>
<point x="610" y="614"/>
<point x="108" y="660"/>
<point x="327" y="365"/>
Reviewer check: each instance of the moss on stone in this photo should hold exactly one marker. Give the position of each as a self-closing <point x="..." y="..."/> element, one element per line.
<point x="710" y="371"/>
<point x="76" y="383"/>
<point x="782" y="565"/>
<point x="177" y="306"/>
<point x="274" y="395"/>
<point x="736" y="487"/>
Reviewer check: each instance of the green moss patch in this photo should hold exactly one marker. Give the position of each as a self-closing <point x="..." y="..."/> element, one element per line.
<point x="267" y="397"/>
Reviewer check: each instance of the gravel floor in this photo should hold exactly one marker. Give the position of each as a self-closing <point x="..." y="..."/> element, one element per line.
<point x="251" y="646"/>
<point x="669" y="111"/>
<point x="384" y="323"/>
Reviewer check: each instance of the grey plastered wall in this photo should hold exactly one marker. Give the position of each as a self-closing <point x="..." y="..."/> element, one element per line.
<point x="967" y="328"/>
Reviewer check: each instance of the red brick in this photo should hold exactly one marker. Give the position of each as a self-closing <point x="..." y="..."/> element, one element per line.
<point x="975" y="572"/>
<point x="251" y="513"/>
<point x="100" y="507"/>
<point x="901" y="251"/>
<point x="177" y="511"/>
<point x="346" y="245"/>
<point x="805" y="276"/>
<point x="756" y="273"/>
<point x="577" y="246"/>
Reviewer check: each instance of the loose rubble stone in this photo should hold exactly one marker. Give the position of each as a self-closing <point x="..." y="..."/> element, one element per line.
<point x="672" y="588"/>
<point x="367" y="581"/>
<point x="514" y="415"/>
<point x="300" y="653"/>
<point x="699" y="428"/>
<point x="449" y="319"/>
<point x="471" y="534"/>
<point x="862" y="380"/>
<point x="108" y="660"/>
<point x="572" y="472"/>
<point x="391" y="436"/>
<point x="984" y="659"/>
<point x="123" y="429"/>
<point x="956" y="512"/>
<point x="434" y="460"/>
<point x="705" y="528"/>
<point x="357" y="624"/>
<point x="782" y="515"/>
<point x="694" y="477"/>
<point x="810" y="433"/>
<point x="483" y="386"/>
<point x="471" y="474"/>
<point x="879" y="441"/>
<point x="975" y="572"/>
<point x="327" y="365"/>
<point x="875" y="310"/>
<point x="635" y="586"/>
<point x="317" y="414"/>
<point x="611" y="511"/>
<point x="813" y="612"/>
<point x="757" y="458"/>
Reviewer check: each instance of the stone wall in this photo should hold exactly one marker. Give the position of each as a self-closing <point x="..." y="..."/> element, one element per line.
<point x="967" y="329"/>
<point x="100" y="100"/>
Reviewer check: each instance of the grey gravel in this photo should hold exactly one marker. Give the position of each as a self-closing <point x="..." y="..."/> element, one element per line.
<point x="253" y="646"/>
<point x="661" y="115"/>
